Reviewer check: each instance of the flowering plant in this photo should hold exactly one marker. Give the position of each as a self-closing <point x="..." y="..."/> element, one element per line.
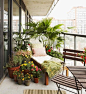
<point x="26" y="65"/>
<point x="15" y="72"/>
<point x="83" y="55"/>
<point x="51" y="52"/>
<point x="20" y="75"/>
<point x="25" y="55"/>
<point x="28" y="76"/>
<point x="36" y="72"/>
<point x="48" y="49"/>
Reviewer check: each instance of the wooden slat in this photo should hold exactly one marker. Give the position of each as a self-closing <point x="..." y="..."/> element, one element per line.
<point x="71" y="50"/>
<point x="70" y="54"/>
<point x="82" y="80"/>
<point x="66" y="81"/>
<point x="77" y="67"/>
<point x="73" y="58"/>
<point x="79" y="73"/>
<point x="80" y="76"/>
<point x="84" y="85"/>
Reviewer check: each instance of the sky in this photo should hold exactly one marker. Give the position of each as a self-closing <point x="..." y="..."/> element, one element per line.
<point x="64" y="6"/>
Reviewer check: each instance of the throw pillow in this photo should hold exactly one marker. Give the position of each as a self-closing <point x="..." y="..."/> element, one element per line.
<point x="39" y="51"/>
<point x="37" y="45"/>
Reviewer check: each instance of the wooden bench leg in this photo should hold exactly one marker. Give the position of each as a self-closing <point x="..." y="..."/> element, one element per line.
<point x="67" y="72"/>
<point x="46" y="78"/>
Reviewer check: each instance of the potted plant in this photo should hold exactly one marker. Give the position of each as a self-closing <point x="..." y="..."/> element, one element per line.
<point x="26" y="67"/>
<point x="21" y="41"/>
<point x="20" y="77"/>
<point x="36" y="73"/>
<point x="27" y="79"/>
<point x="25" y="55"/>
<point x="45" y="32"/>
<point x="15" y="73"/>
<point x="13" y="64"/>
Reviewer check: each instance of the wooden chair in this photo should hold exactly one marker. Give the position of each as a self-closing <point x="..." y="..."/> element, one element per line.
<point x="68" y="81"/>
<point x="72" y="55"/>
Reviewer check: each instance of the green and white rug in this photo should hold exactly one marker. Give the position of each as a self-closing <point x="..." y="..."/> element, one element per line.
<point x="34" y="91"/>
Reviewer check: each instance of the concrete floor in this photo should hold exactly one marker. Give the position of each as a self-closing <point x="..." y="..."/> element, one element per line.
<point x="8" y="86"/>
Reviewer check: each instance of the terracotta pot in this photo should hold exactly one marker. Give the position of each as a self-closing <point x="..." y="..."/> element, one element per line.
<point x="36" y="80"/>
<point x="10" y="71"/>
<point x="27" y="82"/>
<point x="15" y="78"/>
<point x="19" y="81"/>
<point x="26" y="71"/>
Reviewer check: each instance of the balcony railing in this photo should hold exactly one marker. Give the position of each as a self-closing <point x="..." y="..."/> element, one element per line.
<point x="73" y="41"/>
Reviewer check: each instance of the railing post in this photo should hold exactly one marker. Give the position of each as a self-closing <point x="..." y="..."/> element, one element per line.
<point x="64" y="41"/>
<point x="74" y="48"/>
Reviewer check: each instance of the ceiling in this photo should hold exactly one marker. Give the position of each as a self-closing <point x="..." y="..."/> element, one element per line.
<point x="38" y="7"/>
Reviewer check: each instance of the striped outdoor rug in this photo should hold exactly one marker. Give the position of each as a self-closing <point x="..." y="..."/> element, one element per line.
<point x="34" y="91"/>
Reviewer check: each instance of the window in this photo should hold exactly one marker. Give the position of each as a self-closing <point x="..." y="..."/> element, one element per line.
<point x="15" y="17"/>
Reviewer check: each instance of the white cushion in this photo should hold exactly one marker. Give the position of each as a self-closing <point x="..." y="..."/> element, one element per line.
<point x="41" y="59"/>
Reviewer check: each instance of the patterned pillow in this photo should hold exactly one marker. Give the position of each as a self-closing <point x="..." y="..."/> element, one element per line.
<point x="39" y="51"/>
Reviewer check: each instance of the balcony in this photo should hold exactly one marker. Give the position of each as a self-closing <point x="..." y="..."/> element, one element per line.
<point x="8" y="86"/>
<point x="71" y="41"/>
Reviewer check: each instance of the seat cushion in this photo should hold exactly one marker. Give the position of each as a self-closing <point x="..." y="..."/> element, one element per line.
<point x="41" y="59"/>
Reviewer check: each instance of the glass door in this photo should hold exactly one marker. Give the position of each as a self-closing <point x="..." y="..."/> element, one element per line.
<point x="5" y="32"/>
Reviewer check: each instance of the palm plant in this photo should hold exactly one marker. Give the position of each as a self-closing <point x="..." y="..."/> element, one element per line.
<point x="47" y="34"/>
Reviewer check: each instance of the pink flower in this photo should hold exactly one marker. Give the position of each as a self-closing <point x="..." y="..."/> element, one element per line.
<point x="85" y="57"/>
<point x="32" y="69"/>
<point x="32" y="65"/>
<point x="36" y="68"/>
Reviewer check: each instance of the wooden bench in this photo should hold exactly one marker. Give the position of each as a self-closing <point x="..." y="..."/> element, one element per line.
<point x="68" y="81"/>
<point x="46" y="74"/>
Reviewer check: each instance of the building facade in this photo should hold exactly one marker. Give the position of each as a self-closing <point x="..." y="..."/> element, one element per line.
<point x="79" y="15"/>
<point x="76" y="18"/>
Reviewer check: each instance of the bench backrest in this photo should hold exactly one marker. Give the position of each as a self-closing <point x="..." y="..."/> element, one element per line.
<point x="72" y="54"/>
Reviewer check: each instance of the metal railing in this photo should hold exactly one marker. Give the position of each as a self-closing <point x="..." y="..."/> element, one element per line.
<point x="73" y="41"/>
